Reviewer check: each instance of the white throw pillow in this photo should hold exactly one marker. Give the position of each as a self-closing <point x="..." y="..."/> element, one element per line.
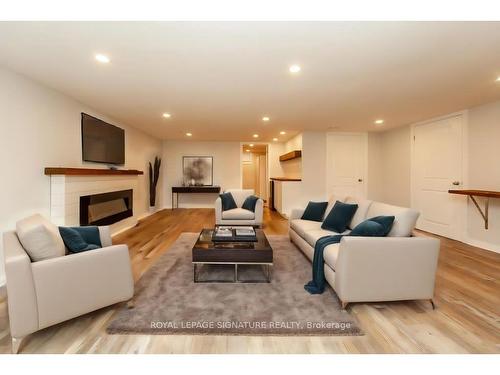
<point x="405" y="219"/>
<point x="360" y="214"/>
<point x="40" y="238"/>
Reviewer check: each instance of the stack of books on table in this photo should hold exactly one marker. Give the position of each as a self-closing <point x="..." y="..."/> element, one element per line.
<point x="225" y="233"/>
<point x="244" y="232"/>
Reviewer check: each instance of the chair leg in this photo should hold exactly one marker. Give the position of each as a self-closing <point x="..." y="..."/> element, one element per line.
<point x="16" y="344"/>
<point x="344" y="304"/>
<point x="432" y="304"/>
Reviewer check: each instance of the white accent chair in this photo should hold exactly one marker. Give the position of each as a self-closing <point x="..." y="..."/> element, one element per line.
<point x="239" y="216"/>
<point x="47" y="292"/>
<point x="400" y="266"/>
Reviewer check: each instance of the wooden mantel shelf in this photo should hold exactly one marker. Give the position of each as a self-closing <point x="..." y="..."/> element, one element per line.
<point x="49" y="171"/>
<point x="479" y="193"/>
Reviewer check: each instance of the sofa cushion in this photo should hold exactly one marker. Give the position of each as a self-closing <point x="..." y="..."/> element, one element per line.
<point x="40" y="238"/>
<point x="339" y="217"/>
<point x="250" y="203"/>
<point x="330" y="254"/>
<point x="404" y="218"/>
<point x="331" y="202"/>
<point x="360" y="214"/>
<point x="311" y="236"/>
<point x="314" y="211"/>
<point x="301" y="226"/>
<point x="227" y="201"/>
<point x="238" y="214"/>
<point x="385" y="221"/>
<point x="90" y="234"/>
<point x="80" y="239"/>
<point x="368" y="228"/>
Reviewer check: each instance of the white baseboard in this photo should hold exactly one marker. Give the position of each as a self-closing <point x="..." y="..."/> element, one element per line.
<point x="483" y="245"/>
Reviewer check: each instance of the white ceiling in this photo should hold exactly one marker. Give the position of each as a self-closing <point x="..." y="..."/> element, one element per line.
<point x="218" y="79"/>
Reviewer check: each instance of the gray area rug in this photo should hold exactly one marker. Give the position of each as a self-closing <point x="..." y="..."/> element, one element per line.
<point x="167" y="301"/>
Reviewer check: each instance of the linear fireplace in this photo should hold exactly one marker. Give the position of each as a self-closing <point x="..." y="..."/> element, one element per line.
<point x="106" y="208"/>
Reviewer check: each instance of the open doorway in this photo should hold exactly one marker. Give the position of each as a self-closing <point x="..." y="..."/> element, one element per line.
<point x="254" y="169"/>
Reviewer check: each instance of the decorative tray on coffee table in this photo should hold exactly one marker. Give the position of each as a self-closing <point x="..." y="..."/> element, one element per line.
<point x="234" y="234"/>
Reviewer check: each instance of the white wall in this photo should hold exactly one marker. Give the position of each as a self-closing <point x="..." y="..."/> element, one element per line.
<point x="484" y="172"/>
<point x="293" y="168"/>
<point x="226" y="169"/>
<point x="39" y="128"/>
<point x="389" y="172"/>
<point x="294" y="143"/>
<point x="274" y="150"/>
<point x="314" y="166"/>
<point x="375" y="190"/>
<point x="389" y="166"/>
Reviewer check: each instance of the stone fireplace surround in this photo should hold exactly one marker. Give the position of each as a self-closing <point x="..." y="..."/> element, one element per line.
<point x="67" y="185"/>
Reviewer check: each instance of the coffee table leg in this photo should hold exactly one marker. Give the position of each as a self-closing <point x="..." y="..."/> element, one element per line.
<point x="195" y="276"/>
<point x="235" y="273"/>
<point x="268" y="273"/>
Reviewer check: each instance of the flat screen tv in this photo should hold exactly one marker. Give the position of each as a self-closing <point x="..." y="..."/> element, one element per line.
<point x="102" y="142"/>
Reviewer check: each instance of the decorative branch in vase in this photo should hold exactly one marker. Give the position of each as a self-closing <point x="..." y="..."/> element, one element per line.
<point x="154" y="174"/>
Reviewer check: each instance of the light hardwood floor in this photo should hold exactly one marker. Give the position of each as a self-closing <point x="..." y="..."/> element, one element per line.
<point x="466" y="319"/>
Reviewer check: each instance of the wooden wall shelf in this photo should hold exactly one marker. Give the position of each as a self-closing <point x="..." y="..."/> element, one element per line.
<point x="291" y="155"/>
<point x="49" y="171"/>
<point x="479" y="193"/>
<point x="285" y="179"/>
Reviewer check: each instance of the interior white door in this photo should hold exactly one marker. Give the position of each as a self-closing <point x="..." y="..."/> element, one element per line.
<point x="437" y="167"/>
<point x="346" y="164"/>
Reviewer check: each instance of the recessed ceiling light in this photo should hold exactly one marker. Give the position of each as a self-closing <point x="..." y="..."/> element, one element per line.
<point x="247" y="150"/>
<point x="167" y="115"/>
<point x="255" y="136"/>
<point x="379" y="122"/>
<point x="498" y="79"/>
<point x="282" y="133"/>
<point x="275" y="139"/>
<point x="189" y="134"/>
<point x="265" y="119"/>
<point x="251" y="144"/>
<point x="294" y="68"/>
<point x="102" y="58"/>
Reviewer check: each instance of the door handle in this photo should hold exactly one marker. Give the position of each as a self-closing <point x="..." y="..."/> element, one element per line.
<point x="456" y="183"/>
<point x="360" y="180"/>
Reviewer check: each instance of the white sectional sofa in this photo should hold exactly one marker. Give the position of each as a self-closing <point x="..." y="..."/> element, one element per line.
<point x="400" y="266"/>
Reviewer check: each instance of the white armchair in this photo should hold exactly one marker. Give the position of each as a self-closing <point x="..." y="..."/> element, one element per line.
<point x="50" y="291"/>
<point x="239" y="216"/>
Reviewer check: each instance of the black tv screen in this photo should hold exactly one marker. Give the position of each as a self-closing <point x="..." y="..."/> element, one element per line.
<point x="102" y="142"/>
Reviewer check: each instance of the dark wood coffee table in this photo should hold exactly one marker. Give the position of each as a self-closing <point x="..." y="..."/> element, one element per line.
<point x="206" y="251"/>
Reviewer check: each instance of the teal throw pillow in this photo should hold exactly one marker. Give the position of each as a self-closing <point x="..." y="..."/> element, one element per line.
<point x="339" y="217"/>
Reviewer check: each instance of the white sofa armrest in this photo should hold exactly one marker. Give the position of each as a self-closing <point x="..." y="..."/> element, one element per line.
<point x="218" y="210"/>
<point x="21" y="292"/>
<point x="386" y="268"/>
<point x="296" y="213"/>
<point x="76" y="284"/>
<point x="259" y="211"/>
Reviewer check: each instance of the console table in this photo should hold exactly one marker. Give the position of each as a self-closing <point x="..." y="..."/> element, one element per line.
<point x="479" y="193"/>
<point x="192" y="190"/>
